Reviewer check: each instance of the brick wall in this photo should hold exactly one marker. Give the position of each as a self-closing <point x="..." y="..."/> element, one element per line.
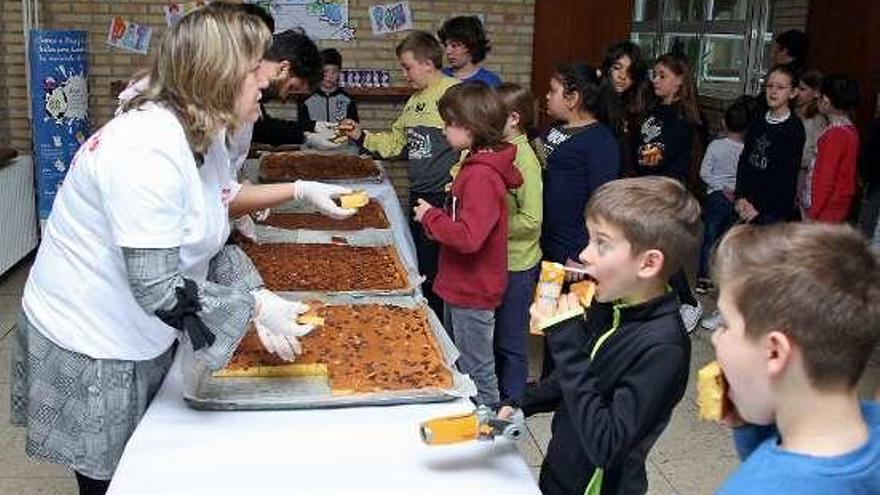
<point x="14" y="128"/>
<point x="508" y="22"/>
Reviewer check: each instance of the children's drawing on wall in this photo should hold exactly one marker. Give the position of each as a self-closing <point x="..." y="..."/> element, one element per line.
<point x="321" y="19"/>
<point x="129" y="35"/>
<point x="390" y="18"/>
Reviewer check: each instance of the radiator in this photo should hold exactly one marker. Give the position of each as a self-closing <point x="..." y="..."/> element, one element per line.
<point x="18" y="222"/>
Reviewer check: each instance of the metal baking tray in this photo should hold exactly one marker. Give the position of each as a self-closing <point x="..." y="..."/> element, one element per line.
<point x="373" y="178"/>
<point x="365" y="238"/>
<point x="266" y="233"/>
<point x="204" y="391"/>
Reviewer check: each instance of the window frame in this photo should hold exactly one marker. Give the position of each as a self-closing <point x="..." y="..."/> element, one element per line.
<point x="752" y="29"/>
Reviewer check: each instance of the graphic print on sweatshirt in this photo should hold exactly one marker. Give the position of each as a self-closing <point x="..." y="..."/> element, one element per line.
<point x="420" y="146"/>
<point x="652" y="129"/>
<point x="555" y="137"/>
<point x="339" y="110"/>
<point x="758" y="156"/>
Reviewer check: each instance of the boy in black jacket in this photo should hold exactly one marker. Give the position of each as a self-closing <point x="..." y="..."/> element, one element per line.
<point x="622" y="366"/>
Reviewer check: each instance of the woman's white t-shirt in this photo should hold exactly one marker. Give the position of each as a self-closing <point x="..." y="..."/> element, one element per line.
<point x="133" y="184"/>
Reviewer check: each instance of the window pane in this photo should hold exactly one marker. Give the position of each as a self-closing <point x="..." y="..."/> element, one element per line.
<point x="645" y="10"/>
<point x="727" y="10"/>
<point x="683" y="43"/>
<point x="722" y="59"/>
<point x="645" y="42"/>
<point x="684" y="10"/>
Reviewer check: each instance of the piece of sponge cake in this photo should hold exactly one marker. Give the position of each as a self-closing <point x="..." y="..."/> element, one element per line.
<point x="354" y="200"/>
<point x="585" y="291"/>
<point x="308" y="319"/>
<point x="712" y="393"/>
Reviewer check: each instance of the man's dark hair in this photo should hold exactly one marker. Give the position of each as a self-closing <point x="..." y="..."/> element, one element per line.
<point x="841" y="90"/>
<point x="331" y="56"/>
<point x="254" y="9"/>
<point x="794" y="42"/>
<point x="467" y="30"/>
<point x="300" y="51"/>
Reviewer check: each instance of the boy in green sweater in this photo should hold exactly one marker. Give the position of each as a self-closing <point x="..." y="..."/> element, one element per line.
<point x="524" y="214"/>
<point x="418" y="135"/>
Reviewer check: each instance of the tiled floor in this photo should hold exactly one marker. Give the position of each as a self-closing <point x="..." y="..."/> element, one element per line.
<point x="691" y="457"/>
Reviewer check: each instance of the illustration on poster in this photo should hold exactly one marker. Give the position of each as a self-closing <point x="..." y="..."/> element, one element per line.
<point x="327" y="11"/>
<point x="68" y="100"/>
<point x="392" y="18"/>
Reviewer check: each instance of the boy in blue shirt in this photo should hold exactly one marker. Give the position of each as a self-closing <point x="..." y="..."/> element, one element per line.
<point x="800" y="307"/>
<point x="465" y="44"/>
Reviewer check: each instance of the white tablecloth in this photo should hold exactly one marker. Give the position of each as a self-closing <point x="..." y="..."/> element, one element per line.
<point x="374" y="450"/>
<point x="368" y="450"/>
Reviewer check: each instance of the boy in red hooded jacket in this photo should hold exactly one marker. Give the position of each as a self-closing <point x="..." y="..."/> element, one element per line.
<point x="472" y="228"/>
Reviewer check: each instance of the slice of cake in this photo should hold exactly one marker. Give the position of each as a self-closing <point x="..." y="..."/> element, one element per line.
<point x="361" y="348"/>
<point x="584" y="291"/>
<point x="369" y="216"/>
<point x="712" y="393"/>
<point x="291" y="166"/>
<point x="354" y="200"/>
<point x="328" y="267"/>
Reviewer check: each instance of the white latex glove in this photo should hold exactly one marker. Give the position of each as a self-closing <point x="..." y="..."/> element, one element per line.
<point x="276" y="324"/>
<point x="326" y="128"/>
<point x="262" y="215"/>
<point x="321" y="141"/>
<point x="321" y="197"/>
<point x="245" y="226"/>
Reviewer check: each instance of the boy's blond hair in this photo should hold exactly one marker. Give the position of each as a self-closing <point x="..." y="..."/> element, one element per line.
<point x="653" y="213"/>
<point x="817" y="283"/>
<point x="199" y="68"/>
<point x="424" y="47"/>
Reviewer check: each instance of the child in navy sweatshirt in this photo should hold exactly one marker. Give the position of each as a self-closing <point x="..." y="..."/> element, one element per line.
<point x="582" y="154"/>
<point x="767" y="175"/>
<point x="667" y="137"/>
<point x="667" y="133"/>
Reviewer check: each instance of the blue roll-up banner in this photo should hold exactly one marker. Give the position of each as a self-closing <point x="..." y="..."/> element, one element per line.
<point x="59" y="63"/>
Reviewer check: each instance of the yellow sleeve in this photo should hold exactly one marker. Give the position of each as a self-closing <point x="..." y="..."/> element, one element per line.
<point x="453" y="171"/>
<point x="388" y="144"/>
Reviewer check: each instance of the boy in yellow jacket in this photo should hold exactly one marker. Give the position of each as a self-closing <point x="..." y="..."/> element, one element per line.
<point x="418" y="135"/>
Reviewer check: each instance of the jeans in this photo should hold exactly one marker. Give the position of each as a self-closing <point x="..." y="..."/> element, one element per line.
<point x="679" y="283"/>
<point x="427" y="250"/>
<point x="717" y="218"/>
<point x="472" y="331"/>
<point x="511" y="327"/>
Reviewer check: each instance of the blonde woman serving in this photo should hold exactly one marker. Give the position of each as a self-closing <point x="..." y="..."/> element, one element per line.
<point x="123" y="269"/>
